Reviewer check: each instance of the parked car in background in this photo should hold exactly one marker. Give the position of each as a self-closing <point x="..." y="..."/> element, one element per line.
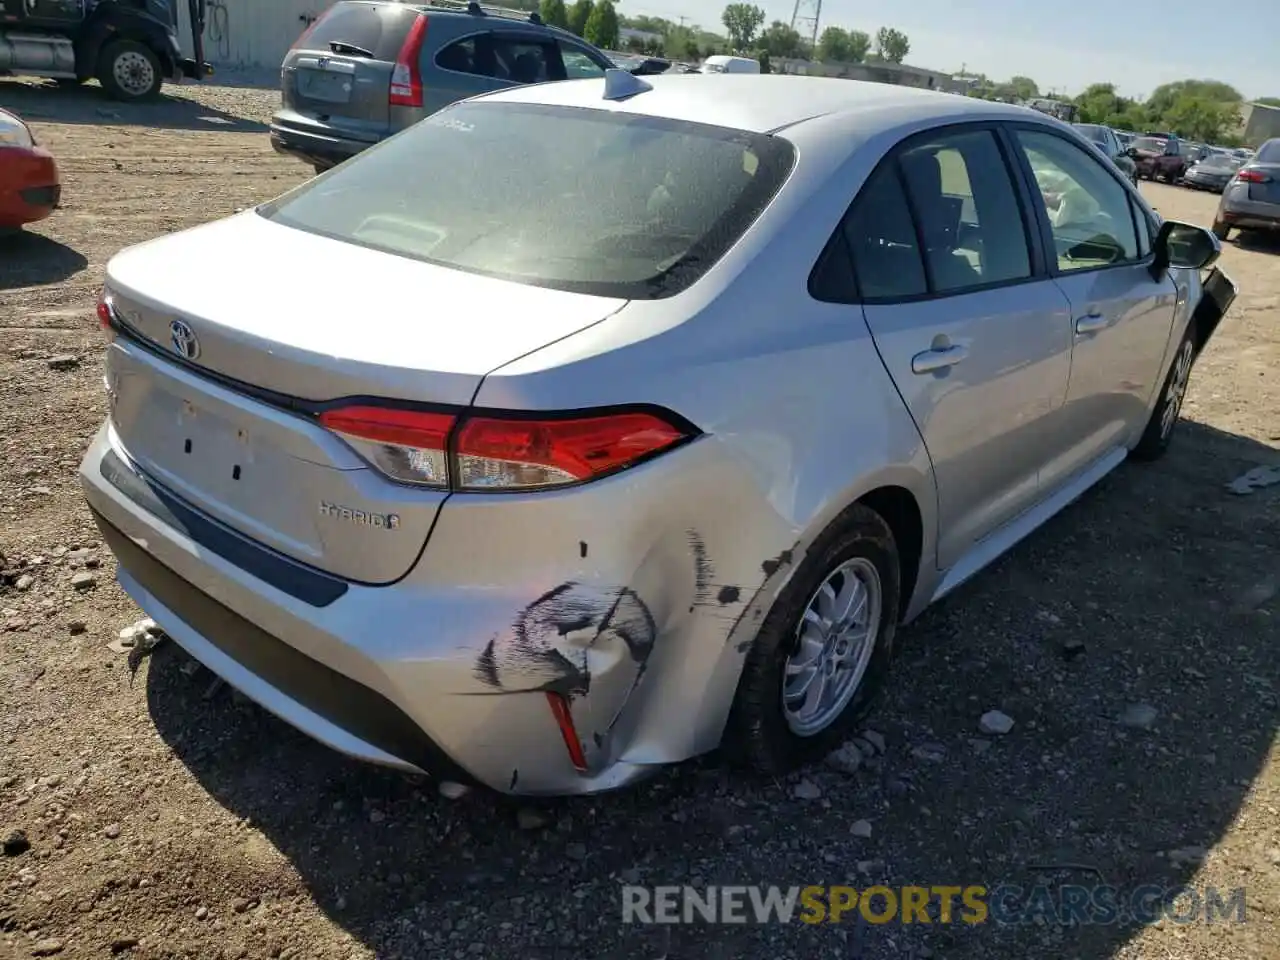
<point x="366" y="69"/>
<point x="1214" y="172"/>
<point x="30" y="187"/>
<point x="1105" y="139"/>
<point x="1251" y="201"/>
<point x="1159" y="158"/>
<point x="720" y="63"/>
<point x="481" y="494"/>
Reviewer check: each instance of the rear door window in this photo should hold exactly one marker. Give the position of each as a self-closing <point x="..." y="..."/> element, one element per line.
<point x="378" y="28"/>
<point x="967" y="210"/>
<point x="578" y="65"/>
<point x="521" y="60"/>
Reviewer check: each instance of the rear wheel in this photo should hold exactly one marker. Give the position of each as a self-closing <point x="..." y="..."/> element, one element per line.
<point x="1164" y="418"/>
<point x="129" y="70"/>
<point x="823" y="652"/>
<point x="1221" y="230"/>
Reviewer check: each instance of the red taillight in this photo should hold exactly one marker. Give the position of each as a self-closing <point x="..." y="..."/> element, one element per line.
<point x="406" y="77"/>
<point x="411" y="446"/>
<point x="500" y="452"/>
<point x="106" y="314"/>
<point x="1252" y="176"/>
<point x="539" y="453"/>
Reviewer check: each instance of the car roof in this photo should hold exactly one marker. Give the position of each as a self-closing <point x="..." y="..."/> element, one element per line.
<point x="764" y="103"/>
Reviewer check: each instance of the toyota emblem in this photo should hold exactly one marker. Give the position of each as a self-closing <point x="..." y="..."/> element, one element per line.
<point x="184" y="340"/>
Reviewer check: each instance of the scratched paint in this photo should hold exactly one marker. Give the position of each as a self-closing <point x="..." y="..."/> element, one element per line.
<point x="552" y="641"/>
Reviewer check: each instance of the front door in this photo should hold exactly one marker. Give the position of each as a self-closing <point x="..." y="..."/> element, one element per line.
<point x="1121" y="315"/>
<point x="976" y="337"/>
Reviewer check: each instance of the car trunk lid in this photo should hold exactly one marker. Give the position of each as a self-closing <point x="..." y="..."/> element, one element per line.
<point x="1268" y="191"/>
<point x="238" y="331"/>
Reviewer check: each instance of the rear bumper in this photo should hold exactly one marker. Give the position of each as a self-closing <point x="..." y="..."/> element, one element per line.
<point x="30" y="188"/>
<point x="314" y="148"/>
<point x="1249" y="214"/>
<point x="381" y="674"/>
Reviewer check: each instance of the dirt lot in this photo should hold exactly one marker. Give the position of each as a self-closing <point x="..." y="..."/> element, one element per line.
<point x="168" y="818"/>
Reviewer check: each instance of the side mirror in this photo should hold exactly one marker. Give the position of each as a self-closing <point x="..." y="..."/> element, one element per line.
<point x="1185" y="245"/>
<point x="1131" y="153"/>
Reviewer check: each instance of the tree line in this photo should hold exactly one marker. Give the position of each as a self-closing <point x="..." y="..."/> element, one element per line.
<point x="1204" y="110"/>
<point x="746" y="33"/>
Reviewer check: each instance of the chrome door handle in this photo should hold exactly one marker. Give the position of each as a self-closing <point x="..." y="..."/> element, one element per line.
<point x="939" y="358"/>
<point x="1091" y="323"/>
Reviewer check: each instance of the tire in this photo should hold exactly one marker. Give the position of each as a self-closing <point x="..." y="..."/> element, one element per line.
<point x="130" y="71"/>
<point x="764" y="734"/>
<point x="1221" y="230"/>
<point x="320" y="168"/>
<point x="1164" y="418"/>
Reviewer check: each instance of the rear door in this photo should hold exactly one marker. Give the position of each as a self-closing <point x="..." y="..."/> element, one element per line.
<point x="1100" y="244"/>
<point x="337" y="79"/>
<point x="974" y="335"/>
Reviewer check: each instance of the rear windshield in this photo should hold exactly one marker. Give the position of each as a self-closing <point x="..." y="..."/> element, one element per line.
<point x="1149" y="143"/>
<point x="1269" y="152"/>
<point x="1093" y="132"/>
<point x="379" y="28"/>
<point x="584" y="200"/>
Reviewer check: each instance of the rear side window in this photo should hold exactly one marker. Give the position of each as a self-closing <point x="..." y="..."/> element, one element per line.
<point x="380" y="28"/>
<point x="882" y="239"/>
<point x="606" y="203"/>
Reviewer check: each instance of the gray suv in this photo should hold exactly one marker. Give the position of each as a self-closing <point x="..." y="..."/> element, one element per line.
<point x="366" y="69"/>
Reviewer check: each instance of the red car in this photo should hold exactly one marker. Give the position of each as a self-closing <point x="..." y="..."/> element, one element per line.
<point x="29" y="184"/>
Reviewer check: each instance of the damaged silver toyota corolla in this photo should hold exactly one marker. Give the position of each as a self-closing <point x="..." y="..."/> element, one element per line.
<point x="544" y="475"/>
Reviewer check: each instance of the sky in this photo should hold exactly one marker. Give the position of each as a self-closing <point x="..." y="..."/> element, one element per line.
<point x="1062" y="46"/>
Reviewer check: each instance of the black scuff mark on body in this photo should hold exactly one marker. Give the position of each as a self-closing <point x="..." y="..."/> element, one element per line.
<point x="515" y="778"/>
<point x="542" y="644"/>
<point x="772" y="566"/>
<point x="703" y="570"/>
<point x="582" y="549"/>
<point x="768" y="568"/>
<point x="728" y="594"/>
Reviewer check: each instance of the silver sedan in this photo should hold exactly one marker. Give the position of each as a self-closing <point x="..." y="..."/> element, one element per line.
<point x="545" y="474"/>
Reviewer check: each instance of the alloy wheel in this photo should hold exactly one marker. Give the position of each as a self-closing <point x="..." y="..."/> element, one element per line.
<point x="1177" y="389"/>
<point x="834" y="641"/>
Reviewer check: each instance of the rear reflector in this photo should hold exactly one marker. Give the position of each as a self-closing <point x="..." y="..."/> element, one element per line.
<point x="564" y="720"/>
<point x="406" y="76"/>
<point x="502" y="452"/>
<point x="1253" y="176"/>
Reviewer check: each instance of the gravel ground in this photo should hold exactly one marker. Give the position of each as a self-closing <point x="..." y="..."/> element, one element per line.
<point x="1132" y="642"/>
